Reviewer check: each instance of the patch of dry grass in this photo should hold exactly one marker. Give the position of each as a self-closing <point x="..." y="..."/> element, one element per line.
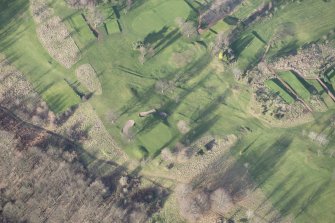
<point x="232" y="192"/>
<point x="18" y="95"/>
<point x="99" y="141"/>
<point x="180" y="59"/>
<point x="88" y="77"/>
<point x="56" y="39"/>
<point x="40" y="10"/>
<point x="53" y="34"/>
<point x="183" y="126"/>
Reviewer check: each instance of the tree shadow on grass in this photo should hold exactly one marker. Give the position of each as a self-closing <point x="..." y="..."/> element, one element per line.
<point x="311" y="89"/>
<point x="153" y="37"/>
<point x="312" y="198"/>
<point x="280" y="84"/>
<point x="169" y="39"/>
<point x="265" y="165"/>
<point x="240" y="44"/>
<point x="220" y="173"/>
<point x="209" y="109"/>
<point x="288" y="49"/>
<point x="201" y="129"/>
<point x="10" y="22"/>
<point x="179" y="78"/>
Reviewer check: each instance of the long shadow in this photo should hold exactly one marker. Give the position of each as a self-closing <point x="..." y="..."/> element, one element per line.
<point x="249" y="145"/>
<point x="265" y="166"/>
<point x="153" y="37"/>
<point x="259" y="37"/>
<point x="192" y="69"/>
<point x="135" y="4"/>
<point x="88" y="165"/>
<point x="209" y="109"/>
<point x="199" y="130"/>
<point x="173" y="39"/>
<point x="191" y="6"/>
<point x="277" y="189"/>
<point x="166" y="38"/>
<point x="180" y="77"/>
<point x="289" y="49"/>
<point x="133" y="72"/>
<point x="240" y="44"/>
<point x="170" y="106"/>
<point x="232" y="177"/>
<point x="289" y="199"/>
<point x="314" y="197"/>
<point x="311" y="89"/>
<point x="279" y="84"/>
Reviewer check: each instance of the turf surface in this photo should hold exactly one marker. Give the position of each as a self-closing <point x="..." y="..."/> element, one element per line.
<point x="284" y="163"/>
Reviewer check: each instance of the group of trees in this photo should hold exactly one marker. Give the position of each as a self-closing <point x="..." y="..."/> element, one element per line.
<point x="43" y="179"/>
<point x="127" y="4"/>
<point x="187" y="29"/>
<point x="81" y="3"/>
<point x="216" y="10"/>
<point x="50" y="184"/>
<point x="195" y="203"/>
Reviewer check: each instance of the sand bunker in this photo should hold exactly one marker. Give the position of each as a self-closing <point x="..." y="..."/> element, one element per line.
<point x="129" y="124"/>
<point x="146" y="113"/>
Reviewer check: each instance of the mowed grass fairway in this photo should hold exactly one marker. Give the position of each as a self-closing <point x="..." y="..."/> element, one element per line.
<point x="294" y="82"/>
<point x="279" y="88"/>
<point x="295" y="173"/>
<point x="163" y="13"/>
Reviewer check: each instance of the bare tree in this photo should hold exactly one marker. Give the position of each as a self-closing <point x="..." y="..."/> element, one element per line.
<point x="193" y="204"/>
<point x="94" y="16"/>
<point x="221" y="201"/>
<point x="187" y="29"/>
<point x="164" y="86"/>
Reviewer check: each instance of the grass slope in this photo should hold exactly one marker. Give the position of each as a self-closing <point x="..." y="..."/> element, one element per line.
<point x="284" y="163"/>
<point x="20" y="44"/>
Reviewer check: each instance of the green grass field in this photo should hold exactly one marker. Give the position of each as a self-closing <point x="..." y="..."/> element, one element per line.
<point x="296" y="179"/>
<point x="20" y="44"/>
<point x="277" y="87"/>
<point x="294" y="82"/>
<point x="284" y="163"/>
<point x="248" y="8"/>
<point x="81" y="30"/>
<point x="309" y="22"/>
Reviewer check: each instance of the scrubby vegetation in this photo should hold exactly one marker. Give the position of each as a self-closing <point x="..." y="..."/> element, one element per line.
<point x="87" y="76"/>
<point x="54" y="35"/>
<point x="167" y="111"/>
